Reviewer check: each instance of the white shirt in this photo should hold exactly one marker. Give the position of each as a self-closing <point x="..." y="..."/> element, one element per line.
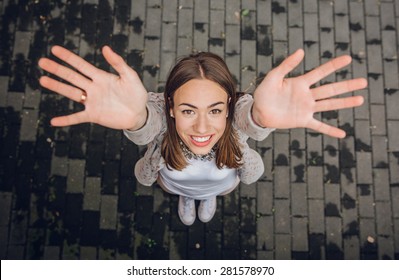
<point x="199" y="180"/>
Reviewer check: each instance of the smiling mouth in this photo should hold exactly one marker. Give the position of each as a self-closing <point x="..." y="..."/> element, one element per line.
<point x="201" y="141"/>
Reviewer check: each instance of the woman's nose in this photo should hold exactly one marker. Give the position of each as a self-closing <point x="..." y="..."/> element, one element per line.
<point x="201" y="124"/>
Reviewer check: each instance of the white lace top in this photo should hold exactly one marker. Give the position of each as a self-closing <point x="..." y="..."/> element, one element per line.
<point x="199" y="180"/>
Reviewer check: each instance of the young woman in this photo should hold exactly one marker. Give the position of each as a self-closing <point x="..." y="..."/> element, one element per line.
<point x="196" y="131"/>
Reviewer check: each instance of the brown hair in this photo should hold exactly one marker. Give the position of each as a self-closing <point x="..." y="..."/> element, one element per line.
<point x="203" y="65"/>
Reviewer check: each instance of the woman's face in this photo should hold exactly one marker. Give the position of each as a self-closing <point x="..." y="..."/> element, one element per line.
<point x="200" y="111"/>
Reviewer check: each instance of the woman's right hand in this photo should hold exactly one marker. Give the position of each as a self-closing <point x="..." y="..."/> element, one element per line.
<point x="114" y="101"/>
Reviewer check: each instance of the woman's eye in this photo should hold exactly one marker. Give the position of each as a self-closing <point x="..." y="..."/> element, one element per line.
<point x="188" y="112"/>
<point x="216" y="111"/>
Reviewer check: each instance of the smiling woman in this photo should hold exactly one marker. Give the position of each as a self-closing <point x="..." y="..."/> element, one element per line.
<point x="196" y="132"/>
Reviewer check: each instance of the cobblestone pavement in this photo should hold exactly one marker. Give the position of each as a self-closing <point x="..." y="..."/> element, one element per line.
<point x="70" y="193"/>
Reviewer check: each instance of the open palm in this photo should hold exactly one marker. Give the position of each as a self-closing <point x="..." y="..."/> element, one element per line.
<point x="281" y="102"/>
<point x="114" y="101"/>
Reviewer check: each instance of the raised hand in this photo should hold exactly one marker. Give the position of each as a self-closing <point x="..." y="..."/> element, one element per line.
<point x="281" y="102"/>
<point x="114" y="101"/>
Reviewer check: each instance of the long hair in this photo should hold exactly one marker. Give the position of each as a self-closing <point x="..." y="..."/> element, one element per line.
<point x="203" y="65"/>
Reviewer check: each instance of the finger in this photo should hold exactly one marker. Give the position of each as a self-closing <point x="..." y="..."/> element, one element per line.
<point x="77" y="118"/>
<point x="289" y="64"/>
<point x="326" y="129"/>
<point x="116" y="61"/>
<point x="64" y="73"/>
<point x="327" y="68"/>
<point x="75" y="61"/>
<point x="330" y="90"/>
<point x="68" y="91"/>
<point x="338" y="103"/>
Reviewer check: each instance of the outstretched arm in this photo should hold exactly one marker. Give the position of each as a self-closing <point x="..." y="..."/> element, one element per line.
<point x="281" y="102"/>
<point x="114" y="101"/>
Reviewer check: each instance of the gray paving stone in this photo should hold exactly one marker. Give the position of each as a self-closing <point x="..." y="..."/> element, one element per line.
<point x="366" y="203"/>
<point x="334" y="233"/>
<point x="169" y="11"/>
<point x="201" y="11"/>
<point x="326" y="12"/>
<point x="380" y="151"/>
<point x="376" y="89"/>
<point x="372" y="8"/>
<point x="384" y="218"/>
<point x="201" y="36"/>
<point x="282" y="216"/>
<point x="3" y="90"/>
<point x="381" y="183"/>
<point x="393" y="167"/>
<point x="392" y="101"/>
<point x="299" y="203"/>
<point x="332" y="200"/>
<point x="342" y="28"/>
<point x="389" y="48"/>
<point x="32" y="98"/>
<point x="374" y="62"/>
<point x="233" y="44"/>
<point x="341" y="7"/>
<point x="378" y="121"/>
<point x="393" y="135"/>
<point x="395" y="206"/>
<point x="22" y="41"/>
<point x="281" y="182"/>
<point x="364" y="174"/>
<point x="283" y="246"/>
<point x="185" y="17"/>
<point x="28" y="125"/>
<point x="108" y="211"/>
<point x="373" y="33"/>
<point x="368" y="234"/>
<point x="311" y="6"/>
<point x="217" y="4"/>
<point x="300" y="234"/>
<point x="386" y="248"/>
<point x="280" y="28"/>
<point x="92" y="194"/>
<point x="217" y="29"/>
<point x="75" y="179"/>
<point x="15" y="100"/>
<point x="264" y="11"/>
<point x="295" y="16"/>
<point x="233" y="12"/>
<point x="169" y="35"/>
<point x="316" y="216"/>
<point x="265" y="233"/>
<point x="351" y="248"/>
<point x="391" y="74"/>
<point x="315" y="182"/>
<point x="388" y="18"/>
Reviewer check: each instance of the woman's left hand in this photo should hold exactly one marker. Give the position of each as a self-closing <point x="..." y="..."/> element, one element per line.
<point x="282" y="103"/>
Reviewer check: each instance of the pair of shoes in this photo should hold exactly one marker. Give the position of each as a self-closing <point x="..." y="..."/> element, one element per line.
<point x="186" y="210"/>
<point x="207" y="209"/>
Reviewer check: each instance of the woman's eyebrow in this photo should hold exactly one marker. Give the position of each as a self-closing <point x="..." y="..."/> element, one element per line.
<point x="194" y="107"/>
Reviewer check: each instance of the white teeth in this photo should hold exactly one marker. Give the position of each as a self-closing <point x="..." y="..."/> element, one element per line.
<point x="201" y="139"/>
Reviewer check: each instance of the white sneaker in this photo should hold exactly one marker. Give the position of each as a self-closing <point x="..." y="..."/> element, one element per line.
<point x="207" y="209"/>
<point x="186" y="210"/>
